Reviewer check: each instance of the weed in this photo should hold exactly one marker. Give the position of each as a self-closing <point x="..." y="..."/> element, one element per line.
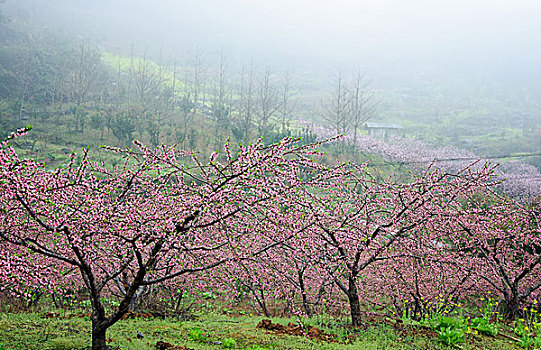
<point x="197" y="334"/>
<point x="484" y="326"/>
<point x="208" y="296"/>
<point x="62" y="343"/>
<point x="29" y="331"/>
<point x="229" y="343"/>
<point x="451" y="336"/>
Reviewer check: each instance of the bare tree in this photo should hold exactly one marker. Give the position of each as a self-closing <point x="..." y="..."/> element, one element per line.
<point x="221" y="104"/>
<point x="191" y="100"/>
<point x="147" y="81"/>
<point x="173" y="95"/>
<point x="23" y="80"/>
<point x="287" y="106"/>
<point x="153" y="95"/>
<point x="244" y="123"/>
<point x="363" y="106"/>
<point x="197" y="80"/>
<point x="268" y="103"/>
<point x="337" y="110"/>
<point x="83" y="81"/>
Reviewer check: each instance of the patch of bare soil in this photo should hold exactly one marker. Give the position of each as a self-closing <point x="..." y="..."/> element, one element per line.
<point x="313" y="333"/>
<point x="163" y="345"/>
<point x="132" y="314"/>
<point x="414" y="331"/>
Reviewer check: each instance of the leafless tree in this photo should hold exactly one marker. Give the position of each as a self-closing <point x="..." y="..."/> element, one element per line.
<point x="23" y="80"/>
<point x="154" y="95"/>
<point x="83" y="81"/>
<point x="196" y="88"/>
<point x="337" y="110"/>
<point x="245" y="113"/>
<point x="147" y="83"/>
<point x="222" y="101"/>
<point x="363" y="106"/>
<point x="287" y="106"/>
<point x="268" y="103"/>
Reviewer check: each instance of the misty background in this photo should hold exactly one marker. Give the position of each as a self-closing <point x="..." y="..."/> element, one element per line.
<point x="450" y="73"/>
<point x="497" y="39"/>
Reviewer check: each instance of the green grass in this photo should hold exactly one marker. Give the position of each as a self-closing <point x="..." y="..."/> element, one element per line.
<point x="213" y="331"/>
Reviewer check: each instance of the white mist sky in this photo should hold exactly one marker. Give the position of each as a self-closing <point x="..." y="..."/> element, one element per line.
<point x="499" y="34"/>
<point x="345" y="24"/>
<point x="368" y="20"/>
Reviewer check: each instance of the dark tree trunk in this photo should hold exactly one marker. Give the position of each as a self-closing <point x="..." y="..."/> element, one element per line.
<point x="303" y="292"/>
<point x="511" y="307"/>
<point x="178" y="302"/>
<point x="354" y="304"/>
<point x="305" y="305"/>
<point x="260" y="299"/>
<point x="99" y="341"/>
<point x="263" y="304"/>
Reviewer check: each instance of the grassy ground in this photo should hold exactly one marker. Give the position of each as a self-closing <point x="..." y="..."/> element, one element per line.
<point x="216" y="331"/>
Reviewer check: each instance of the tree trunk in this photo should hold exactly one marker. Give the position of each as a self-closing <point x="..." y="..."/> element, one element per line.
<point x="303" y="292"/>
<point x="178" y="302"/>
<point x="511" y="308"/>
<point x="98" y="336"/>
<point x="306" y="305"/>
<point x="354" y="304"/>
<point x="263" y="304"/>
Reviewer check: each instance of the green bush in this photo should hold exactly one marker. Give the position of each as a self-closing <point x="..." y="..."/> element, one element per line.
<point x="451" y="336"/>
<point x="484" y="326"/>
<point x="197" y="334"/>
<point x="229" y="343"/>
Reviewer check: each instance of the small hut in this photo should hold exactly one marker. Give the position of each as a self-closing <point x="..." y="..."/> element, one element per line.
<point x="383" y="130"/>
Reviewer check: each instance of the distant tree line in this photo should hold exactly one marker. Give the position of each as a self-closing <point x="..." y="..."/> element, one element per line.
<point x="114" y="99"/>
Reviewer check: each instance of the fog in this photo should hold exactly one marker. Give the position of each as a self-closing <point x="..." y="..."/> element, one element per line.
<point x="496" y="37"/>
<point x="459" y="73"/>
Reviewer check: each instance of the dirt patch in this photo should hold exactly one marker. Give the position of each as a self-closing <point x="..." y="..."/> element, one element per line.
<point x="132" y="314"/>
<point x="313" y="333"/>
<point x="414" y="331"/>
<point x="50" y="315"/>
<point x="163" y="345"/>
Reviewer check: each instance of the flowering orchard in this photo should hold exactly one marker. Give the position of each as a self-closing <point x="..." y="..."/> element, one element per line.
<point x="161" y="215"/>
<point x="266" y="220"/>
<point x="522" y="180"/>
